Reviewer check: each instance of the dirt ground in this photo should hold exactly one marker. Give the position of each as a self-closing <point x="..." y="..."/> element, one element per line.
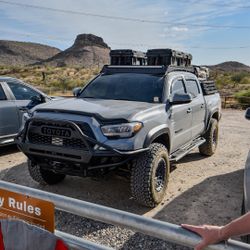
<point x="201" y="190"/>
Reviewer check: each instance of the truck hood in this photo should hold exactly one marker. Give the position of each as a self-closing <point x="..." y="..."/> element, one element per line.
<point x="99" y="108"/>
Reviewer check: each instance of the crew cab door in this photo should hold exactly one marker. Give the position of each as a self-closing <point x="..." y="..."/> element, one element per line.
<point x="181" y="117"/>
<point x="198" y="108"/>
<point x="9" y="122"/>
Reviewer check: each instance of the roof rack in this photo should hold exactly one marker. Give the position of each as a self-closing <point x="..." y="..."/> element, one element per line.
<point x="156" y="70"/>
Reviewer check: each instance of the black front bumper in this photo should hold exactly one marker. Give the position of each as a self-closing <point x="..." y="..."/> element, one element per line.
<point x="84" y="149"/>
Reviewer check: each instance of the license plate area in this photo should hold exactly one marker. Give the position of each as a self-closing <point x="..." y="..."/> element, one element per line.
<point x="57" y="141"/>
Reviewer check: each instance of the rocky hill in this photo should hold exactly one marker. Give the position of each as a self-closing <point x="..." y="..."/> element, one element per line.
<point x="14" y="53"/>
<point x="88" y="50"/>
<point x="230" y="66"/>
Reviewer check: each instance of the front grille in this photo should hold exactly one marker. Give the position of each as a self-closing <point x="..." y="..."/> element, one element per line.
<point x="53" y="124"/>
<point x="74" y="143"/>
<point x="40" y="139"/>
<point x="35" y="135"/>
<point x="85" y="128"/>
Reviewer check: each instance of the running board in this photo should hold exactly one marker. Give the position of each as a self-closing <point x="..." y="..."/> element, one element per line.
<point x="176" y="156"/>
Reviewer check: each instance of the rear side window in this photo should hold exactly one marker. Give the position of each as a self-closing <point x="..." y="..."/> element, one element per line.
<point x="178" y="87"/>
<point x="2" y="95"/>
<point x="22" y="92"/>
<point x="192" y="87"/>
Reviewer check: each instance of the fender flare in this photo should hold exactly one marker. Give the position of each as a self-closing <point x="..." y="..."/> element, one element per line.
<point x="156" y="132"/>
<point x="210" y="117"/>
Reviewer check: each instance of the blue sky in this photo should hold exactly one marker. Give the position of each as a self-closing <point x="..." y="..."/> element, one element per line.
<point x="208" y="45"/>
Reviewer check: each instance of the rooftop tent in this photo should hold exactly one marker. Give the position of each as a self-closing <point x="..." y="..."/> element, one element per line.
<point x="127" y="57"/>
<point x="168" y="57"/>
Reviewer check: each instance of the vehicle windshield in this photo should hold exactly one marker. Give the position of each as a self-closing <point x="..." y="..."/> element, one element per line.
<point x="126" y="86"/>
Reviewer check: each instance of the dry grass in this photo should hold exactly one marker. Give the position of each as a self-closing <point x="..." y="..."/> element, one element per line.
<point x="51" y="80"/>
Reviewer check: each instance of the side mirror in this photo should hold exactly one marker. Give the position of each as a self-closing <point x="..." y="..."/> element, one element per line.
<point x="247" y="115"/>
<point x="76" y="91"/>
<point x="35" y="100"/>
<point x="181" y="98"/>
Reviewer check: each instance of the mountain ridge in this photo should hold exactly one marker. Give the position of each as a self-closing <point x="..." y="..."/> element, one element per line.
<point x="230" y="66"/>
<point x="87" y="50"/>
<point x="16" y="53"/>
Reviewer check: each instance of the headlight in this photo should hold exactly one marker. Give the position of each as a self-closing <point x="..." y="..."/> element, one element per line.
<point x="124" y="130"/>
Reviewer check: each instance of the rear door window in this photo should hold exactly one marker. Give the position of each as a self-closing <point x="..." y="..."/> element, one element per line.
<point x="192" y="87"/>
<point x="2" y="94"/>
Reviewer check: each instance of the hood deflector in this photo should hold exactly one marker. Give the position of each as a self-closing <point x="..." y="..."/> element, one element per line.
<point x="98" y="117"/>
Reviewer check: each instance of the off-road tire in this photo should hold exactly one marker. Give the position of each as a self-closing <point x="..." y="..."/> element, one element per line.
<point x="143" y="176"/>
<point x="43" y="176"/>
<point x="211" y="136"/>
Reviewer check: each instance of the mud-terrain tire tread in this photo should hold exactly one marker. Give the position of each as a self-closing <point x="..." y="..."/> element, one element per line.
<point x="141" y="182"/>
<point x="42" y="176"/>
<point x="207" y="147"/>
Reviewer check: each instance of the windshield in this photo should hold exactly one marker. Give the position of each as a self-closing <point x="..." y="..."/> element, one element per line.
<point x="126" y="86"/>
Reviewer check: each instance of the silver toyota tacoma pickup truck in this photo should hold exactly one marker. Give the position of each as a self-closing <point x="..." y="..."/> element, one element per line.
<point x="136" y="119"/>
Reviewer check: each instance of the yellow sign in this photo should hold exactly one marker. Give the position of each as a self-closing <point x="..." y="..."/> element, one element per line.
<point x="32" y="210"/>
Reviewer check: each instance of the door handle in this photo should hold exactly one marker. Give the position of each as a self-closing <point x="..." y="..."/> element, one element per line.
<point x="202" y="105"/>
<point x="189" y="110"/>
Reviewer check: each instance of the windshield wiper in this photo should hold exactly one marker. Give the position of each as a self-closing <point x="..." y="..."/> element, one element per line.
<point x="123" y="99"/>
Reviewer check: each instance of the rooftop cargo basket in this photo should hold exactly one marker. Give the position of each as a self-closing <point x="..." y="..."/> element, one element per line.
<point x="127" y="57"/>
<point x="149" y="69"/>
<point x="168" y="57"/>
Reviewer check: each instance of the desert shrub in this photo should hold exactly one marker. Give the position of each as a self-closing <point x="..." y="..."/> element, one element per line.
<point x="223" y="81"/>
<point x="245" y="80"/>
<point x="239" y="77"/>
<point x="245" y="93"/>
<point x="243" y="97"/>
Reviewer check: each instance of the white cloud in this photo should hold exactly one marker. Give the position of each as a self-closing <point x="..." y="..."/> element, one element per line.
<point x="166" y="13"/>
<point x="180" y="29"/>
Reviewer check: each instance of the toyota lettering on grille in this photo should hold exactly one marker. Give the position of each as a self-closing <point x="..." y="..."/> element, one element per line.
<point x="56" y="132"/>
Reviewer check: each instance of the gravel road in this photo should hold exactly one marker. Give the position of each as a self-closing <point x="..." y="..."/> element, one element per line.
<point x="201" y="190"/>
